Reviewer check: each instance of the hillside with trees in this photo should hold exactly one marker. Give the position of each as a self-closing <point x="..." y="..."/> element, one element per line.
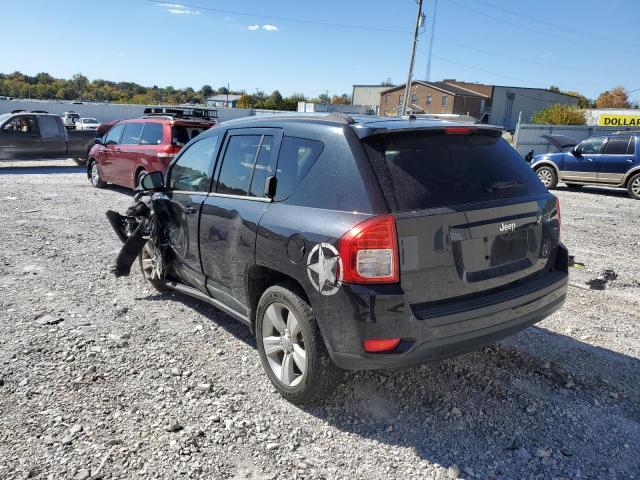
<point x="79" y="88"/>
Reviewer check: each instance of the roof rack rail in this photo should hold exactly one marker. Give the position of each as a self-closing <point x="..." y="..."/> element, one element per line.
<point x="189" y="113"/>
<point x="159" y="115"/>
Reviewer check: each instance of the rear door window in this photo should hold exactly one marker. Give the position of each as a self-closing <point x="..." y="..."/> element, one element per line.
<point x="297" y="156"/>
<point x="262" y="168"/>
<point x="238" y="164"/>
<point x="616" y="146"/>
<point x="152" y="134"/>
<point x="132" y="133"/>
<point x="50" y="127"/>
<point x="421" y="170"/>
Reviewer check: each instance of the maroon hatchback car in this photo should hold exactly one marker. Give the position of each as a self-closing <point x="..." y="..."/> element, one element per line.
<point x="133" y="147"/>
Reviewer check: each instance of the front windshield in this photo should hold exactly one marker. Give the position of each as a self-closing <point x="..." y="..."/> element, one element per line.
<point x="4" y="117"/>
<point x="90" y="120"/>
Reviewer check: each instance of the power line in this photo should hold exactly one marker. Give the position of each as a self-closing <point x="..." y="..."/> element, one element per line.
<point x="519" y="59"/>
<point x="563" y="27"/>
<point x="483" y="70"/>
<point x="362" y="27"/>
<point x="275" y="17"/>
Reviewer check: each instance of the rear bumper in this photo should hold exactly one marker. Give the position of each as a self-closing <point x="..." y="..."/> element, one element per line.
<point x="439" y="332"/>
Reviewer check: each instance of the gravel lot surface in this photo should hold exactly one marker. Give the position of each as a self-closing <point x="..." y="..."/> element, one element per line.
<point x="105" y="378"/>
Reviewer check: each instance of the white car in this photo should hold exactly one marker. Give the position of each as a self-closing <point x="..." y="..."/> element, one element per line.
<point x="87" y="124"/>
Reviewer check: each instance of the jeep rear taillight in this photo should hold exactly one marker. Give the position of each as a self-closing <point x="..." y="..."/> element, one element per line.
<point x="369" y="252"/>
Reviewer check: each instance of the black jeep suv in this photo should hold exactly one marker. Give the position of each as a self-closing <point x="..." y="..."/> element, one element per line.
<point x="357" y="244"/>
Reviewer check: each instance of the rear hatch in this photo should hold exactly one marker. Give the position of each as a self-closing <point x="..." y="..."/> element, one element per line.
<point x="471" y="216"/>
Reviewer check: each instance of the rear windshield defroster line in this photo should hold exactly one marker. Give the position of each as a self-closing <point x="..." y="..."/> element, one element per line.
<point x="429" y="169"/>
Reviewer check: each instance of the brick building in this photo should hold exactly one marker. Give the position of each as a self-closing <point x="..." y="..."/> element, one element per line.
<point x="434" y="97"/>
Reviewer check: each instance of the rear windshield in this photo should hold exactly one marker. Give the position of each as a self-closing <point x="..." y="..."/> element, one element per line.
<point x="180" y="134"/>
<point x="421" y="170"/>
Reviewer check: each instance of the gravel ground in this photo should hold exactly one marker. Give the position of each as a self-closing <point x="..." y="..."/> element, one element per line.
<point x="105" y="378"/>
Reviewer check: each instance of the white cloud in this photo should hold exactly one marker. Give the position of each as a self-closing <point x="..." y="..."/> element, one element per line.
<point x="545" y="54"/>
<point x="270" y="28"/>
<point x="253" y="27"/>
<point x="178" y="9"/>
<point x="121" y="54"/>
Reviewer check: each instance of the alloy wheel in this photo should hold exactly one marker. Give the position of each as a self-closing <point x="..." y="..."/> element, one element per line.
<point x="545" y="176"/>
<point x="635" y="186"/>
<point x="150" y="265"/>
<point x="95" y="174"/>
<point x="283" y="344"/>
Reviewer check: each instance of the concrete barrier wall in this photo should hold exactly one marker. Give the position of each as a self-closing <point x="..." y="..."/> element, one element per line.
<point x="103" y="112"/>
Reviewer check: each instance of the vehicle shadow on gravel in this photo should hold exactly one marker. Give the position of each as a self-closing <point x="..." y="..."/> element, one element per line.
<point x="44" y="170"/>
<point x="505" y="411"/>
<point x="538" y="405"/>
<point x="221" y="319"/>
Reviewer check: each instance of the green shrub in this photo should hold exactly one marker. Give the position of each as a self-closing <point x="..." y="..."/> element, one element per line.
<point x="560" y="114"/>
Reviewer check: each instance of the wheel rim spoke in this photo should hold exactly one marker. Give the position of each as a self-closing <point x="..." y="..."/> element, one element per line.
<point x="292" y="325"/>
<point x="147" y="263"/>
<point x="287" y="375"/>
<point x="275" y="317"/>
<point x="272" y="345"/>
<point x="300" y="357"/>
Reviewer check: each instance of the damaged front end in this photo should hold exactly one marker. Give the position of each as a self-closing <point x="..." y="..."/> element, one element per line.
<point x="140" y="232"/>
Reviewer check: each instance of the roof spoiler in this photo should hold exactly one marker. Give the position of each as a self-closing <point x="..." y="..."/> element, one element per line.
<point x="340" y="118"/>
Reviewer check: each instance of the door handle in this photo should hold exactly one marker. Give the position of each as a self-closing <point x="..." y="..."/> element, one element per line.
<point x="190" y="209"/>
<point x="629" y="160"/>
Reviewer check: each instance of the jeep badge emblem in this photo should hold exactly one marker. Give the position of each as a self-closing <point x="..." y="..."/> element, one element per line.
<point x="324" y="267"/>
<point x="507" y="227"/>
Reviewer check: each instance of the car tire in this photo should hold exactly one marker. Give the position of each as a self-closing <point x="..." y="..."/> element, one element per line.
<point x="94" y="175"/>
<point x="633" y="186"/>
<point x="291" y="347"/>
<point x="574" y="186"/>
<point x="548" y="177"/>
<point x="139" y="177"/>
<point x="148" y="261"/>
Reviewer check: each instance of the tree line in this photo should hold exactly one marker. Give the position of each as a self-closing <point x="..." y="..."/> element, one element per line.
<point x="46" y="87"/>
<point x="562" y="114"/>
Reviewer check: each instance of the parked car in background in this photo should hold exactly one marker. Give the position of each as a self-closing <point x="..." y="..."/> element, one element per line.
<point x="611" y="160"/>
<point x="87" y="124"/>
<point x="70" y="119"/>
<point x="558" y="143"/>
<point x="131" y="148"/>
<point x="34" y="135"/>
<point x="342" y="246"/>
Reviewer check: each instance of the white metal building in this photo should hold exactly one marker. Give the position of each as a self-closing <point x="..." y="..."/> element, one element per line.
<point x="368" y="96"/>
<point x="508" y="102"/>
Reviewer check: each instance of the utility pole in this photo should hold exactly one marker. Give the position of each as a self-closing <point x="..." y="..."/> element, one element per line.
<point x="433" y="29"/>
<point x="407" y="89"/>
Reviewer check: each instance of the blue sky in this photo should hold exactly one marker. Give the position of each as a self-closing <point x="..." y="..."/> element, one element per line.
<point x="584" y="45"/>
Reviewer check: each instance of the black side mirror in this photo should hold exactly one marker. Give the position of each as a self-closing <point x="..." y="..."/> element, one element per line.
<point x="152" y="181"/>
<point x="97" y="141"/>
<point x="270" y="186"/>
<point x="576" y="152"/>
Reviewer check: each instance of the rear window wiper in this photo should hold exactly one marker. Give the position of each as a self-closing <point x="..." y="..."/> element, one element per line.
<point x="493" y="186"/>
